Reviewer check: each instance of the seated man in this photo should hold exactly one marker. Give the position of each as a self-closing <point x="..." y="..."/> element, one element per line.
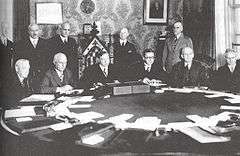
<point x="188" y="72"/>
<point x="227" y="77"/>
<point x="149" y="70"/>
<point x="99" y="74"/>
<point x="58" y="79"/>
<point x="18" y="85"/>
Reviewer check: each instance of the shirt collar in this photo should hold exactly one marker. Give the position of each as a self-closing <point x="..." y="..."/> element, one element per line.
<point x="146" y="66"/>
<point x="102" y="67"/>
<point x="59" y="73"/>
<point x="123" y="41"/>
<point x="63" y="38"/>
<point x="33" y="39"/>
<point x="178" y="36"/>
<point x="20" y="78"/>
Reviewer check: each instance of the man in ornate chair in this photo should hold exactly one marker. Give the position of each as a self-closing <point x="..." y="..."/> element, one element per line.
<point x="99" y="74"/>
<point x="148" y="70"/>
<point x="58" y="79"/>
<point x="189" y="72"/>
<point x="18" y="85"/>
<point x="227" y="77"/>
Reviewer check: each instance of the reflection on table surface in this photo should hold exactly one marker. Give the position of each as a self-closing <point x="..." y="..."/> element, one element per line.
<point x="144" y="123"/>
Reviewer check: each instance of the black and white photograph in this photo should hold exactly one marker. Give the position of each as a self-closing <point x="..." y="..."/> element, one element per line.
<point x="119" y="77"/>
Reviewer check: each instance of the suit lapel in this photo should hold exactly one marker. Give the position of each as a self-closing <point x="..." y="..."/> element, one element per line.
<point x="179" y="43"/>
<point x="56" y="78"/>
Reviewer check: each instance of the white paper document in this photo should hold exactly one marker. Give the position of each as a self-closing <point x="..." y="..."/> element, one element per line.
<point x="80" y="106"/>
<point x="88" y="116"/>
<point x="233" y="101"/>
<point x="230" y="107"/>
<point x="146" y="123"/>
<point x="180" y="125"/>
<point x="202" y="136"/>
<point x="38" y="98"/>
<point x="20" y="112"/>
<point x="24" y="119"/>
<point x="60" y="126"/>
<point x="93" y="140"/>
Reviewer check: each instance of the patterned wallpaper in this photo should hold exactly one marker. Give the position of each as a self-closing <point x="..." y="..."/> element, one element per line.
<point x="113" y="15"/>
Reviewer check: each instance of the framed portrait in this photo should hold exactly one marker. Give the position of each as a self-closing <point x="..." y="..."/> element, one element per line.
<point x="87" y="28"/>
<point x="155" y="11"/>
<point x="49" y="13"/>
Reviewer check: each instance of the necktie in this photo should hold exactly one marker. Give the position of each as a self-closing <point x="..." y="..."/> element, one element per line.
<point x="148" y="69"/>
<point x="65" y="40"/>
<point x="231" y="69"/>
<point x="105" y="72"/>
<point x="34" y="43"/>
<point x="61" y="77"/>
<point x="174" y="42"/>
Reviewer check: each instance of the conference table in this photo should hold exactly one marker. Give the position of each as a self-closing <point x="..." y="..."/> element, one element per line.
<point x="169" y="105"/>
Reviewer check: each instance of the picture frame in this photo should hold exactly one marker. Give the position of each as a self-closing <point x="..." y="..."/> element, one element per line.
<point x="87" y="28"/>
<point x="49" y="13"/>
<point x="155" y="11"/>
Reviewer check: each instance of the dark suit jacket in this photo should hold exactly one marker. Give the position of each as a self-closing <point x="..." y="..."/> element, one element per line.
<point x="124" y="57"/>
<point x="225" y="80"/>
<point x="156" y="72"/>
<point x="56" y="45"/>
<point x="6" y="54"/>
<point x="51" y="81"/>
<point x="37" y="56"/>
<point x="172" y="49"/>
<point x="13" y="91"/>
<point x="94" y="74"/>
<point x="196" y="76"/>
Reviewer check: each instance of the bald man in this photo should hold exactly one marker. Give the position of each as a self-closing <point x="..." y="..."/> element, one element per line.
<point x="188" y="72"/>
<point x="18" y="85"/>
<point x="58" y="79"/>
<point x="34" y="49"/>
<point x="174" y="45"/>
<point x="62" y="43"/>
<point x="125" y="54"/>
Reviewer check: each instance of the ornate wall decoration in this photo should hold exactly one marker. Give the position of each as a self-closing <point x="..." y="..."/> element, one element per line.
<point x="113" y="15"/>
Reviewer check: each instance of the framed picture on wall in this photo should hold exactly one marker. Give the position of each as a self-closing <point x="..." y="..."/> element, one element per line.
<point x="49" y="13"/>
<point x="155" y="11"/>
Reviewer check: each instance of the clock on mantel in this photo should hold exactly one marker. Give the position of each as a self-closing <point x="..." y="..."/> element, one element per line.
<point x="87" y="6"/>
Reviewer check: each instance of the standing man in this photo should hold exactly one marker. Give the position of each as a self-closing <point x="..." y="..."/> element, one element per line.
<point x="34" y="49"/>
<point x="148" y="70"/>
<point x="6" y="53"/>
<point x="173" y="47"/>
<point x="58" y="79"/>
<point x="125" y="54"/>
<point x="227" y="77"/>
<point x="99" y="74"/>
<point x="62" y="43"/>
<point x="188" y="72"/>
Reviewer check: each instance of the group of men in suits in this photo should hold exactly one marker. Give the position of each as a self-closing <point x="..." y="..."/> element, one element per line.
<point x="54" y="66"/>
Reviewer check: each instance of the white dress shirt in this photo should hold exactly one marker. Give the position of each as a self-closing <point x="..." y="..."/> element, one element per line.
<point x="34" y="41"/>
<point x="64" y="39"/>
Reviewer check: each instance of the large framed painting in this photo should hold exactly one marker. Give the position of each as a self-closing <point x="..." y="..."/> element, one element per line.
<point x="155" y="11"/>
<point x="49" y="13"/>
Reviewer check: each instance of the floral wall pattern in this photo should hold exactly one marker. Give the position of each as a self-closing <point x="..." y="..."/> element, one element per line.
<point x="113" y="15"/>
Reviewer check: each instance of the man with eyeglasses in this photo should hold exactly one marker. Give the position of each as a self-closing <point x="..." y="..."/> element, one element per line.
<point x="148" y="70"/>
<point x="62" y="43"/>
<point x="58" y="79"/>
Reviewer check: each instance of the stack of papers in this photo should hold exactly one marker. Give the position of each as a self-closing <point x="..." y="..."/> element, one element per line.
<point x="22" y="112"/>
